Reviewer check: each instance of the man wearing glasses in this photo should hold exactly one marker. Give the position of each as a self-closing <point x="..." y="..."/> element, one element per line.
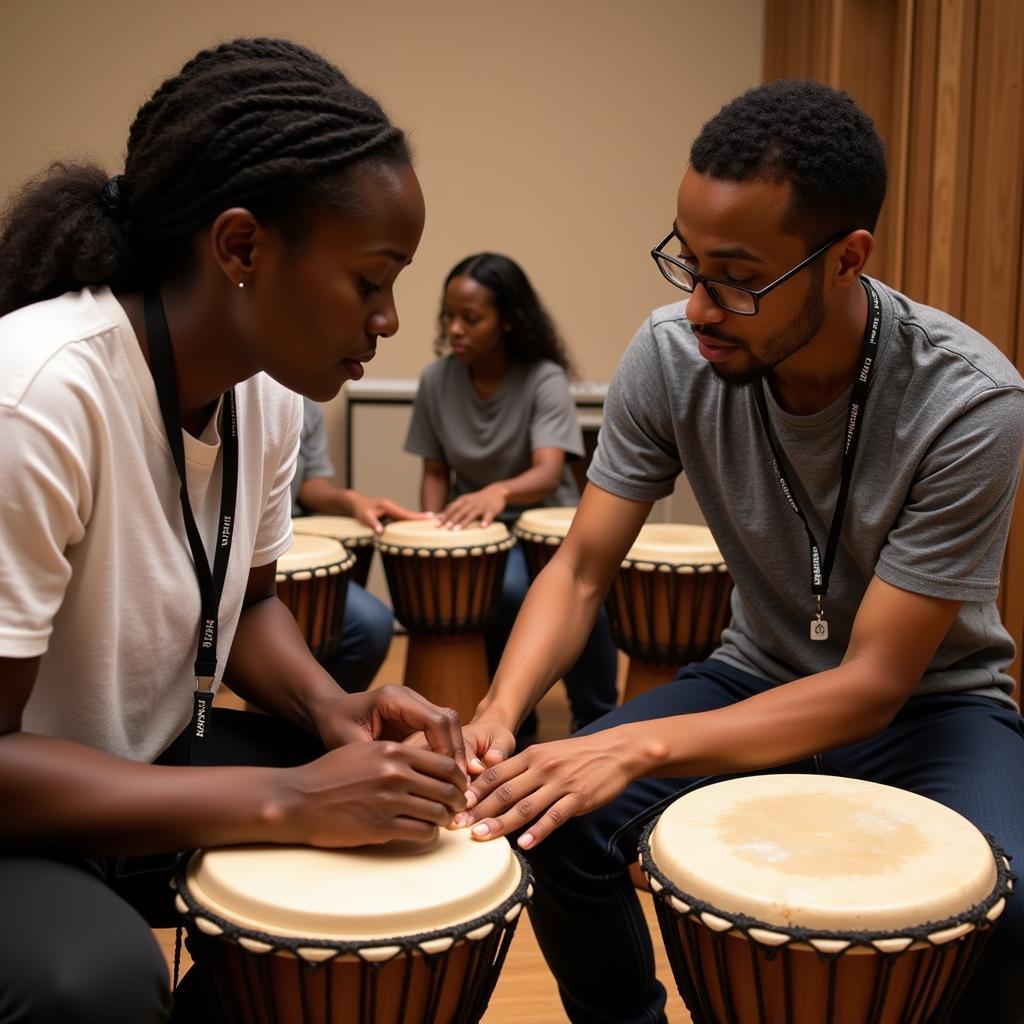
<point x="856" y="456"/>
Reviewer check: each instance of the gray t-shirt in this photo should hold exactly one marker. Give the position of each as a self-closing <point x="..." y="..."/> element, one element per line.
<point x="484" y="440"/>
<point x="930" y="501"/>
<point x="313" y="459"/>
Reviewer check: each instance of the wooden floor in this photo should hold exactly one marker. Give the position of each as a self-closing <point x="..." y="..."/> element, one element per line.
<point x="526" y="992"/>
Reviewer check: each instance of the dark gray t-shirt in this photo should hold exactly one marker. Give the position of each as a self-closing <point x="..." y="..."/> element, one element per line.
<point x="929" y="506"/>
<point x="484" y="440"/>
<point x="314" y="459"/>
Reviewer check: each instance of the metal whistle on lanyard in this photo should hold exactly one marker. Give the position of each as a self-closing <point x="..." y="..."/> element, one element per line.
<point x="819" y="624"/>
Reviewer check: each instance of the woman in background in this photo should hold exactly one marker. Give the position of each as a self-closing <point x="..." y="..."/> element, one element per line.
<point x="496" y="427"/>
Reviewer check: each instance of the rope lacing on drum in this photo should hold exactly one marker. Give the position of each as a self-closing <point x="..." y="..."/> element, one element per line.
<point x="368" y="950"/>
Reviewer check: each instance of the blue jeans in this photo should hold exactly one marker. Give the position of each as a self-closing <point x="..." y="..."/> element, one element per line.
<point x="368" y="627"/>
<point x="965" y="752"/>
<point x="590" y="683"/>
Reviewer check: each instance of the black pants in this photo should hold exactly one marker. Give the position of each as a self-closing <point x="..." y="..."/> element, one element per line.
<point x="75" y="939"/>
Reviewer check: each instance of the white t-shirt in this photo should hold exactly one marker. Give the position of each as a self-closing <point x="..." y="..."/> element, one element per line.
<point x="96" y="575"/>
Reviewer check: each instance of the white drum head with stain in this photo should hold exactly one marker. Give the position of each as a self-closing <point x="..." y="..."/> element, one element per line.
<point x="312" y="553"/>
<point x="428" y="533"/>
<point x="674" y="544"/>
<point x="824" y="853"/>
<point x="553" y="521"/>
<point x="346" y="529"/>
<point x="365" y="893"/>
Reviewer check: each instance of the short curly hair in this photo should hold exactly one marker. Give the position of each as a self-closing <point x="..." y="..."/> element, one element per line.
<point x="810" y="135"/>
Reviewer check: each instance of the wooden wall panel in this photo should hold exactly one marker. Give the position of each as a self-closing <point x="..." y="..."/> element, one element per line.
<point x="944" y="81"/>
<point x="996" y="195"/>
<point x="916" y="225"/>
<point x="951" y="155"/>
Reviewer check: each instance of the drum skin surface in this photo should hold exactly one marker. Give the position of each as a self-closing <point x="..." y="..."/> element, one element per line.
<point x="368" y="892"/>
<point x="810" y="899"/>
<point x="796" y="851"/>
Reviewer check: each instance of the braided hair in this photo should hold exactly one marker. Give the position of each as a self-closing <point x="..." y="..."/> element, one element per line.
<point x="261" y="123"/>
<point x="810" y="135"/>
<point x="532" y="335"/>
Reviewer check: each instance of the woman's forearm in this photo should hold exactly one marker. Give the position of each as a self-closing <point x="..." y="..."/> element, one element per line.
<point x="434" y="488"/>
<point x="533" y="485"/>
<point x="57" y="794"/>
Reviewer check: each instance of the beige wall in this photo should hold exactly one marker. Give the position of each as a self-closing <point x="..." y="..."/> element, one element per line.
<point x="552" y="130"/>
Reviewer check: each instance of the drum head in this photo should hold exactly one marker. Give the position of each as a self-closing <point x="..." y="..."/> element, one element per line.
<point x="365" y="893"/>
<point x="316" y="555"/>
<point x="349" y="531"/>
<point x="673" y="544"/>
<point x="820" y="852"/>
<point x="545" y="523"/>
<point x="429" y="534"/>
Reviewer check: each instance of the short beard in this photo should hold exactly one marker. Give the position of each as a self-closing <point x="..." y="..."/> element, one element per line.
<point x="785" y="342"/>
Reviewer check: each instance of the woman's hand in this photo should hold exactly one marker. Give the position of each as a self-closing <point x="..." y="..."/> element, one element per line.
<point x="370" y="511"/>
<point x="392" y="713"/>
<point x="547" y="784"/>
<point x="367" y="793"/>
<point x="485" y="505"/>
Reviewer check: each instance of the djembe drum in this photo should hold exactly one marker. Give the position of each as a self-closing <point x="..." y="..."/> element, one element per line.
<point x="539" y="531"/>
<point x="312" y="577"/>
<point x="808" y="899"/>
<point x="393" y="934"/>
<point x="349" y="532"/>
<point x="668" y="603"/>
<point x="445" y="586"/>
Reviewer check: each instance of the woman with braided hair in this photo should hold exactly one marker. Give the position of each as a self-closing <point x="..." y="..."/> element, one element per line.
<point x="154" y="328"/>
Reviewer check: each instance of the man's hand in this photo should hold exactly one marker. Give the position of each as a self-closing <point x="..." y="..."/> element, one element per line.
<point x="368" y="793"/>
<point x="484" y="505"/>
<point x="391" y="713"/>
<point x="486" y="744"/>
<point x="547" y="784"/>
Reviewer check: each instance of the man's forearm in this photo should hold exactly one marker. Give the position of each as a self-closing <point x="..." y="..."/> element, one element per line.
<point x="783" y="724"/>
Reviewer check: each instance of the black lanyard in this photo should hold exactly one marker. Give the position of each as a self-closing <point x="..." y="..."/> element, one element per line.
<point x="211" y="584"/>
<point x="821" y="568"/>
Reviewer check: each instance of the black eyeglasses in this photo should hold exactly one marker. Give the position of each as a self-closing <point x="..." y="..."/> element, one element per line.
<point x="733" y="298"/>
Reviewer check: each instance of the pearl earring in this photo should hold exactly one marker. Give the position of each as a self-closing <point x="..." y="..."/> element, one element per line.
<point x="241" y="284"/>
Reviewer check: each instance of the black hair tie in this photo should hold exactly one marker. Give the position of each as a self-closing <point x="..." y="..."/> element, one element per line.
<point x="112" y="198"/>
